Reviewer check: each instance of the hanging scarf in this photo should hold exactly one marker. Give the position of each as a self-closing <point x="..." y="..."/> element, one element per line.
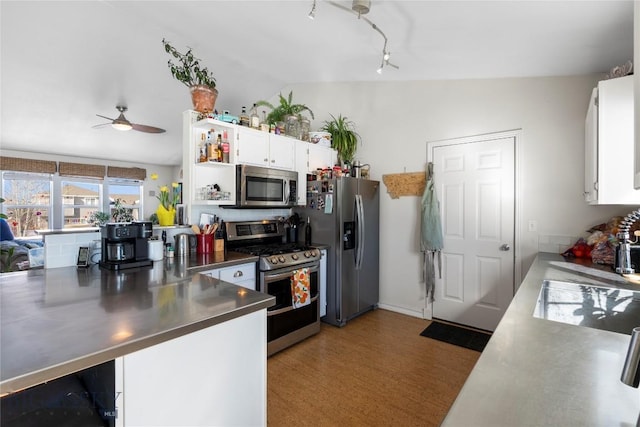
<point x="431" y="241"/>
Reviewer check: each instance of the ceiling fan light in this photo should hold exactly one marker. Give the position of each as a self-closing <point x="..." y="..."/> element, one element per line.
<point x="121" y="126"/>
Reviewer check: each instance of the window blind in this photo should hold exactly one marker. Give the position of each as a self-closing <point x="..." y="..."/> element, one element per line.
<point x="129" y="173"/>
<point x="27" y="165"/>
<point x="80" y="169"/>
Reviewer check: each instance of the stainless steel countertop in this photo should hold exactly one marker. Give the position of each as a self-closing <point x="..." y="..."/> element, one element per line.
<point x="58" y="321"/>
<point x="536" y="372"/>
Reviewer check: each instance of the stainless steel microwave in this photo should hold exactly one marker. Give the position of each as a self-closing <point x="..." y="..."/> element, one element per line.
<point x="259" y="187"/>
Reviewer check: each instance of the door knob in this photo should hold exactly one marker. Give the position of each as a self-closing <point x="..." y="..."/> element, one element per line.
<point x="505" y="247"/>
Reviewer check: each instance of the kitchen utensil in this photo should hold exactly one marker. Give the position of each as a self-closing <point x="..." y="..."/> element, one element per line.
<point x="195" y="229"/>
<point x="184" y="243"/>
<point x="205" y="243"/>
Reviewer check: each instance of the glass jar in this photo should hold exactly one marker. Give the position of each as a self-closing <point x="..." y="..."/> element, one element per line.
<point x="292" y="127"/>
<point x="305" y="127"/>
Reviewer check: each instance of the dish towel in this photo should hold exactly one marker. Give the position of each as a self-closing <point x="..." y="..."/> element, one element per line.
<point x="300" y="288"/>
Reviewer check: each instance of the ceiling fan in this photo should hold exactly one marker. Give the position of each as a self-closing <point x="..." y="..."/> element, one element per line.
<point x="121" y="123"/>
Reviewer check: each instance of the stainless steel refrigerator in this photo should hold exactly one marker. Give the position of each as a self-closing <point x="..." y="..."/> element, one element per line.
<point x="344" y="214"/>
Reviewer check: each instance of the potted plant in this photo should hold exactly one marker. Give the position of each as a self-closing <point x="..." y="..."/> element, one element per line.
<point x="121" y="213"/>
<point x="98" y="218"/>
<point x="285" y="108"/>
<point x="343" y="137"/>
<point x="198" y="79"/>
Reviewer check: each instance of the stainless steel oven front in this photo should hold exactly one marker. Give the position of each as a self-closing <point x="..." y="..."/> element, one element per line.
<point x="287" y="325"/>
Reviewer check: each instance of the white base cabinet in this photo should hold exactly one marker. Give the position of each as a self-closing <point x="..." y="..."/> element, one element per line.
<point x="609" y="144"/>
<point x="242" y="275"/>
<point x="213" y="377"/>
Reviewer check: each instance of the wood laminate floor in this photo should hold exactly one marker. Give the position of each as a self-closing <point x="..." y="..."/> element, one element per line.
<point x="375" y="371"/>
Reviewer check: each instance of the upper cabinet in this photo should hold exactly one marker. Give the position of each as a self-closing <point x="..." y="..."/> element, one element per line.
<point x="209" y="182"/>
<point x="254" y="147"/>
<point x="609" y="144"/>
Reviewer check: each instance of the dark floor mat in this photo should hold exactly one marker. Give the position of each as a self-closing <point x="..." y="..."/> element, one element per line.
<point x="456" y="335"/>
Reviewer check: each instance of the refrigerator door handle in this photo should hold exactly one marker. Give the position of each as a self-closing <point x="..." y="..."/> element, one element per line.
<point x="360" y="231"/>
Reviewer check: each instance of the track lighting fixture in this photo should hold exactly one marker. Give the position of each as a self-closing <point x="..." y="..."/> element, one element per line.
<point x="312" y="14"/>
<point x="361" y="7"/>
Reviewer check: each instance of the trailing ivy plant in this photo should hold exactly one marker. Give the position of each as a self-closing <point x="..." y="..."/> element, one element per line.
<point x="286" y="107"/>
<point x="188" y="71"/>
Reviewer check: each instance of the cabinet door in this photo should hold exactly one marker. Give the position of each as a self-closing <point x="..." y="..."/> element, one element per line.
<point x="591" y="150"/>
<point x="615" y="142"/>
<point x="321" y="157"/>
<point x="252" y="147"/>
<point x="281" y="152"/>
<point x="242" y="275"/>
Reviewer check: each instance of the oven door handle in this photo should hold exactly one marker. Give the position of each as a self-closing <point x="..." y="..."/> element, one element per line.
<point x="288" y="308"/>
<point x="280" y="276"/>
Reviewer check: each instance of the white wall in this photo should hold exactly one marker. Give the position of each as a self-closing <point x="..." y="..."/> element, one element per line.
<point x="396" y="120"/>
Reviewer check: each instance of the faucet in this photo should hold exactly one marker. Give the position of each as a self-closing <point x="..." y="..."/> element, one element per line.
<point x="623" y="251"/>
<point x="631" y="369"/>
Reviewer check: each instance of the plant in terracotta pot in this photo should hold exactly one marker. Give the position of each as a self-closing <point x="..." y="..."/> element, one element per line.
<point x="198" y="79"/>
<point x="344" y="138"/>
<point x="286" y="107"/>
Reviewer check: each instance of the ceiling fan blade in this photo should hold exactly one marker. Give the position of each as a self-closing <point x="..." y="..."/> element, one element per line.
<point x="101" y="125"/>
<point x="105" y="117"/>
<point x="147" y="129"/>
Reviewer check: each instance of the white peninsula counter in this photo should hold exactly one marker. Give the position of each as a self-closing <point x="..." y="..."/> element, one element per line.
<point x="183" y="348"/>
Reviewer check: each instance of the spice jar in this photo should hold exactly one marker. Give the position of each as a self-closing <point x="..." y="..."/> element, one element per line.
<point x="292" y="127"/>
<point x="305" y="127"/>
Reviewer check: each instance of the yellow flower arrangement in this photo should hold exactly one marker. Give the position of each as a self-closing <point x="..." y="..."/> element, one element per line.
<point x="168" y="199"/>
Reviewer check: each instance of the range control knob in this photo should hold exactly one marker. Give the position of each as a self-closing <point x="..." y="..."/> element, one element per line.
<point x="307" y="254"/>
<point x="273" y="260"/>
<point x="281" y="258"/>
<point x="294" y="256"/>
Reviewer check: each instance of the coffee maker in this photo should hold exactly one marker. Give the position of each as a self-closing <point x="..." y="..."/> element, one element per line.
<point x="125" y="245"/>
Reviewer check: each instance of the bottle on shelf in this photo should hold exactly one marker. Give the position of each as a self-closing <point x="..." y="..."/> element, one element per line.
<point x="225" y="147"/>
<point x="219" y="148"/>
<point x="254" y="119"/>
<point x="264" y="126"/>
<point x="244" y="117"/>
<point x="307" y="233"/>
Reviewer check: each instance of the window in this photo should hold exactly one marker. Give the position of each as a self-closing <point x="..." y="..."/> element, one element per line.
<point x="80" y="198"/>
<point x="28" y="202"/>
<point x="36" y="201"/>
<point x="129" y="195"/>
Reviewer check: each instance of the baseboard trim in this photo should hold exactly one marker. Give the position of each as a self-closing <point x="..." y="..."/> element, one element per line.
<point x="401" y="310"/>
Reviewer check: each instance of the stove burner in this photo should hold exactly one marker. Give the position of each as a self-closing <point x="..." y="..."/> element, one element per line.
<point x="274" y="249"/>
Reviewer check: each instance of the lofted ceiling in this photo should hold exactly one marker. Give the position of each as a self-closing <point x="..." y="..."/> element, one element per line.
<point x="63" y="62"/>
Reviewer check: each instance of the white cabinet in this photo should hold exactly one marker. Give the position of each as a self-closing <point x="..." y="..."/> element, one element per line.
<point x="199" y="177"/>
<point x="254" y="147"/>
<point x="609" y="144"/>
<point x="309" y="158"/>
<point x="214" y="376"/>
<point x="242" y="275"/>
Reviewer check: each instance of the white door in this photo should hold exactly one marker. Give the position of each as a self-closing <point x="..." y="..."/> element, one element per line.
<point x="475" y="183"/>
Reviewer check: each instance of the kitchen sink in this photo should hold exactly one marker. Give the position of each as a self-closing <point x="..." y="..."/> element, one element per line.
<point x="615" y="310"/>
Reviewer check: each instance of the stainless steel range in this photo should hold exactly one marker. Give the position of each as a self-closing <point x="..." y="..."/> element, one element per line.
<point x="280" y="265"/>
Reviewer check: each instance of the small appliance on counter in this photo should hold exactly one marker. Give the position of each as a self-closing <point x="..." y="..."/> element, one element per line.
<point x="125" y="245"/>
